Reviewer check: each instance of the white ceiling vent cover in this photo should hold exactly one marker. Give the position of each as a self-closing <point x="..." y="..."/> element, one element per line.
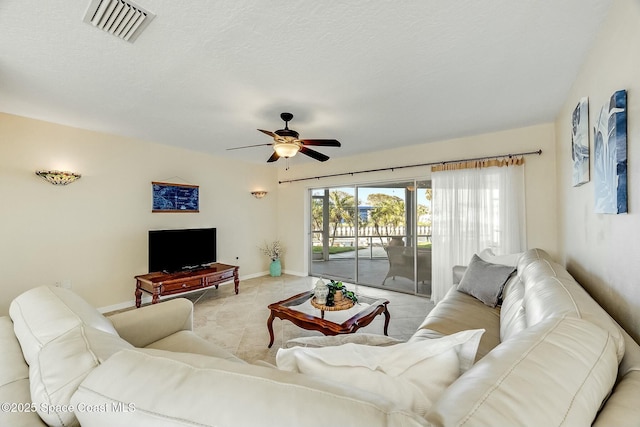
<point x="123" y="19"/>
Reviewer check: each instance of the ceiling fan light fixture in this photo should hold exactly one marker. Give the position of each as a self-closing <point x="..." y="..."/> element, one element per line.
<point x="286" y="143"/>
<point x="286" y="149"/>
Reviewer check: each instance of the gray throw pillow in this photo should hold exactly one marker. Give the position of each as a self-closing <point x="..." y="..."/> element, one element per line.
<point x="484" y="280"/>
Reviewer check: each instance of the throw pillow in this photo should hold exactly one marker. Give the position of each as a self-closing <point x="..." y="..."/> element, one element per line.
<point x="331" y="340"/>
<point x="484" y="280"/>
<point x="509" y="259"/>
<point x="412" y="375"/>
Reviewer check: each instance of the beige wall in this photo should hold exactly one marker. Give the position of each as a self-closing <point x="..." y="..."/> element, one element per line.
<point x="94" y="231"/>
<point x="539" y="174"/>
<point x="603" y="251"/>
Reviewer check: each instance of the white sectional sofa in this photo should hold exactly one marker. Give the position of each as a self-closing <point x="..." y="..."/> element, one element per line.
<point x="550" y="355"/>
<point x="542" y="359"/>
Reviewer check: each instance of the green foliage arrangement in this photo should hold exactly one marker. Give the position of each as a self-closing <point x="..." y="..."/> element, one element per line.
<point x="339" y="286"/>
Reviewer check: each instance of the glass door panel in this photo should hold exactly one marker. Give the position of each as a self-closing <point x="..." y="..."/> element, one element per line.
<point x="333" y="233"/>
<point x="423" y="237"/>
<point x="383" y="240"/>
<point x="384" y="231"/>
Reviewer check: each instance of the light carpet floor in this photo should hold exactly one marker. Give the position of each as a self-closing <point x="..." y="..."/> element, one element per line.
<point x="238" y="323"/>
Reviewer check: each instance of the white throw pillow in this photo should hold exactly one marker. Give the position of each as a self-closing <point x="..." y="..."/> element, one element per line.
<point x="411" y="374"/>
<point x="509" y="259"/>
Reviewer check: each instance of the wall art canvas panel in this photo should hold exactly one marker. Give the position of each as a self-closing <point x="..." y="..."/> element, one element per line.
<point x="610" y="156"/>
<point x="169" y="197"/>
<point x="580" y="142"/>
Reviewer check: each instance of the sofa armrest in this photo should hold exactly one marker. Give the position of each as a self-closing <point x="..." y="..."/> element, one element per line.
<point x="621" y="409"/>
<point x="14" y="380"/>
<point x="143" y="326"/>
<point x="330" y="341"/>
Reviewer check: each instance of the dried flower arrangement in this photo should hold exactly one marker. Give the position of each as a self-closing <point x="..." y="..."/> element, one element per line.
<point x="273" y="250"/>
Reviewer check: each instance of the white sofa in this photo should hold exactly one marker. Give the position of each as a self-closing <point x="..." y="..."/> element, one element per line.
<point x="56" y="339"/>
<point x="549" y="356"/>
<point x="528" y="372"/>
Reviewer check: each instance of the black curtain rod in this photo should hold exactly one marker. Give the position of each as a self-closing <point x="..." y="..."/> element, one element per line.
<point x="527" y="153"/>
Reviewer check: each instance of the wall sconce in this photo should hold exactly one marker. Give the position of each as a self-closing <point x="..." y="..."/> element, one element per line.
<point x="258" y="194"/>
<point x="58" y="177"/>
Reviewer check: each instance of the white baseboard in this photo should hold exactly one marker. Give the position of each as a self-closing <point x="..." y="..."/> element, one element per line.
<point x="295" y="273"/>
<point x="254" y="275"/>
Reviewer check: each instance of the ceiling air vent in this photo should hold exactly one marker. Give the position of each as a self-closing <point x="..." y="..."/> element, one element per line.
<point x="119" y="18"/>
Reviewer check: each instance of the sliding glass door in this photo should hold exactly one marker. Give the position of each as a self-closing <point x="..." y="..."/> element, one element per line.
<point x="383" y="240"/>
<point x="333" y="233"/>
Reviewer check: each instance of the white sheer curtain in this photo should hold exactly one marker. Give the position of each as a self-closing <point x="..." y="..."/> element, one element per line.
<point x="474" y="209"/>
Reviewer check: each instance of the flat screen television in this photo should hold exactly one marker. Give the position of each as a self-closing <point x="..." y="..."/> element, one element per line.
<point x="185" y="249"/>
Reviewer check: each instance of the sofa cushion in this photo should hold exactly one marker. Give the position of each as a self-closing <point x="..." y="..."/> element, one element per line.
<point x="44" y="313"/>
<point x="530" y="256"/>
<point x="621" y="409"/>
<point x="550" y="291"/>
<point x="217" y="392"/>
<point x="557" y="372"/>
<point x="14" y="381"/>
<point x="189" y="342"/>
<point x="512" y="314"/>
<point x="460" y="312"/>
<point x="198" y="360"/>
<point x="63" y="338"/>
<point x="13" y="367"/>
<point x="158" y="321"/>
<point x="62" y="364"/>
<point x="412" y="374"/>
<point x="485" y="280"/>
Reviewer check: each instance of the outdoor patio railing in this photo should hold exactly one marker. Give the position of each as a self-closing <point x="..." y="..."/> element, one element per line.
<point x="371" y="241"/>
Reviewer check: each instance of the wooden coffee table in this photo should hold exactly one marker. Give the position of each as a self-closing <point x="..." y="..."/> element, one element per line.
<point x="299" y="311"/>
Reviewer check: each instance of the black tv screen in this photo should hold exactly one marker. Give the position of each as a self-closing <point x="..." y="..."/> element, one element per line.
<point x="175" y="250"/>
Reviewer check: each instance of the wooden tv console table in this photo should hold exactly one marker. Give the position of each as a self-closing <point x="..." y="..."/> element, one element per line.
<point x="160" y="284"/>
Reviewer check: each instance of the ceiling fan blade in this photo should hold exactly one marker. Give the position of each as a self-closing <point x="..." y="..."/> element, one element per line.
<point x="268" y="132"/>
<point x="321" y="142"/>
<point x="314" y="154"/>
<point x="273" y="157"/>
<point x="248" y="146"/>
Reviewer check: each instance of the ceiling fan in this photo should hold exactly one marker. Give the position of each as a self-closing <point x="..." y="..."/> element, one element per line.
<point x="287" y="144"/>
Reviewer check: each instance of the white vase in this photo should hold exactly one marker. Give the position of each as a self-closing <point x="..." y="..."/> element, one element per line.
<point x="321" y="291"/>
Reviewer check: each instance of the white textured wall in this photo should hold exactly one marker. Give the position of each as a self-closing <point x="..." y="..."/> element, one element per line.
<point x="603" y="251"/>
<point x="539" y="175"/>
<point x="94" y="231"/>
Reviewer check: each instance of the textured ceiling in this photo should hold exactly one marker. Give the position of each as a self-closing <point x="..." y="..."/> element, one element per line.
<point x="373" y="74"/>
